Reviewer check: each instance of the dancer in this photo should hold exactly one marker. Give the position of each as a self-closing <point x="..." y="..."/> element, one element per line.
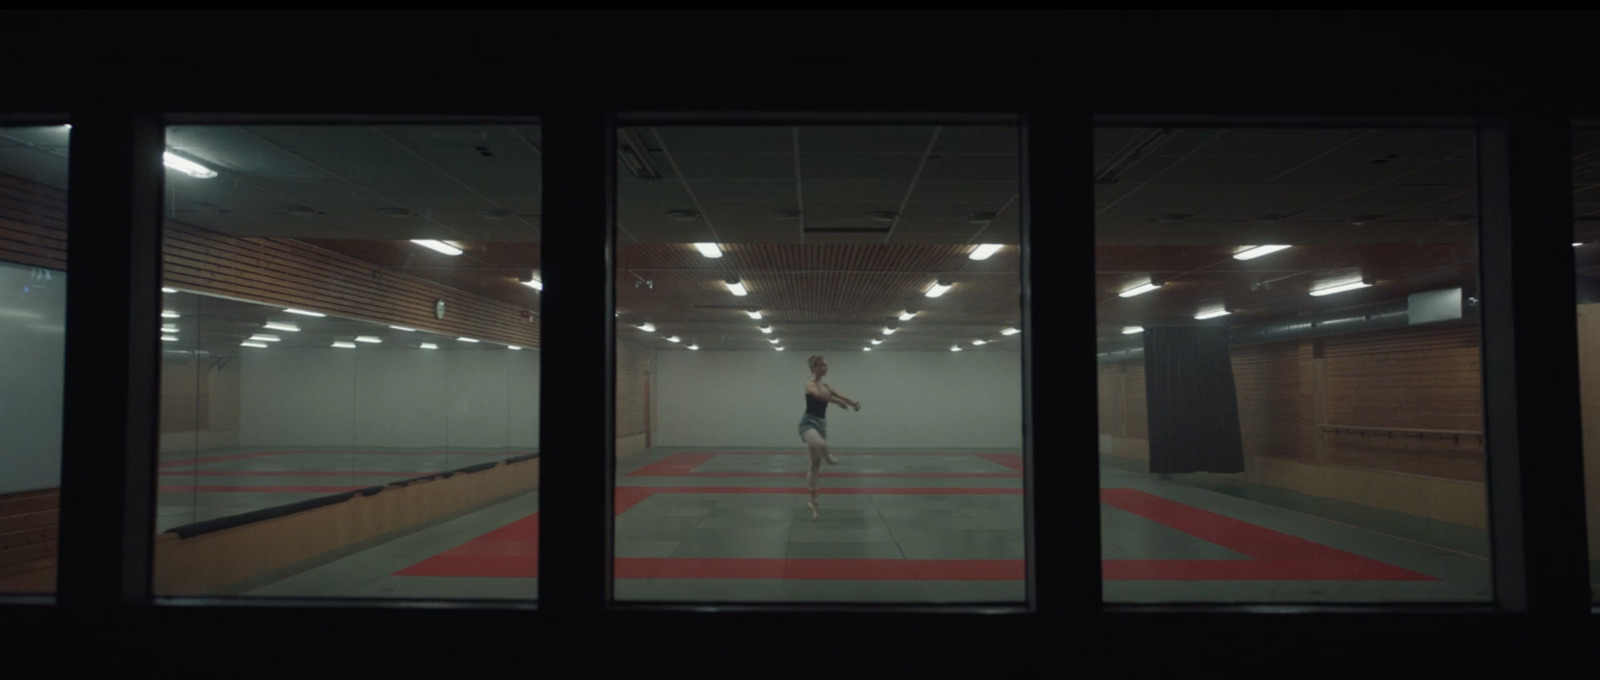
<point x="814" y="424"/>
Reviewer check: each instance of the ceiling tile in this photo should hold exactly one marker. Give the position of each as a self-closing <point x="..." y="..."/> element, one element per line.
<point x="989" y="168"/>
<point x="865" y="190"/>
<point x="978" y="139"/>
<point x="777" y="191"/>
<point x="700" y="166"/>
<point x="723" y="139"/>
<point x="993" y="193"/>
<point x="881" y="167"/>
<point x="388" y="162"/>
<point x="321" y="136"/>
<point x="905" y="139"/>
<point x="469" y="164"/>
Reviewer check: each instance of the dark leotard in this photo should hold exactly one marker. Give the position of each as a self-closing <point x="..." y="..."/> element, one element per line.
<point x="816" y="407"/>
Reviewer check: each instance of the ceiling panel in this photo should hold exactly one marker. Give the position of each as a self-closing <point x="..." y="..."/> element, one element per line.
<point x="859" y="166"/>
<point x="905" y="139"/>
<point x="725" y="166"/>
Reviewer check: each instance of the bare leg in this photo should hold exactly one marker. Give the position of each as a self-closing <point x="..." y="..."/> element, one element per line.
<point x="819" y="450"/>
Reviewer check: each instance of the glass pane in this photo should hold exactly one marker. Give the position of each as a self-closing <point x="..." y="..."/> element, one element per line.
<point x="350" y="381"/>
<point x="818" y="378"/>
<point x="1290" y="393"/>
<point x="33" y="325"/>
<point x="1586" y="234"/>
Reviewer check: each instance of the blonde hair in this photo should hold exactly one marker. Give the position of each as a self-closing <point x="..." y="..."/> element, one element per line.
<point x="811" y="362"/>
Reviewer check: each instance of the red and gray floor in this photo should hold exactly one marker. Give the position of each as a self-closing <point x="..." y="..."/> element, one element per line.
<point x="896" y="526"/>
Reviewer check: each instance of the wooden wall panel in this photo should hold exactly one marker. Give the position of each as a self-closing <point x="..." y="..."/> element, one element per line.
<point x="33" y="224"/>
<point x="29" y="526"/>
<point x="1272" y="418"/>
<point x="1412" y="379"/>
<point x="633" y="361"/>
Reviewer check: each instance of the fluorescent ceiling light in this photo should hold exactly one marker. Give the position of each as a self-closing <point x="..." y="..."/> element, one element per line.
<point x="766" y="329"/>
<point x="737" y="287"/>
<point x="979" y="342"/>
<point x="1253" y="252"/>
<point x="780" y="349"/>
<point x="754" y="313"/>
<point x="889" y="330"/>
<point x="265" y="338"/>
<point x="938" y="288"/>
<point x="876" y="341"/>
<point x="187" y="166"/>
<point x="512" y="347"/>
<point x="303" y="312"/>
<point x="535" y="284"/>
<point x="955" y="348"/>
<point x="169" y="329"/>
<point x="439" y="246"/>
<point x="1576" y="245"/>
<point x="1353" y="285"/>
<point x="673" y="338"/>
<point x="774" y="341"/>
<point x="646" y="327"/>
<point x="709" y="249"/>
<point x="1010" y="331"/>
<point x="247" y="343"/>
<point x="429" y="345"/>
<point x="466" y="339"/>
<point x="279" y="326"/>
<point x="165" y="289"/>
<point x="169" y="338"/>
<point x="403" y="328"/>
<point x="694" y="347"/>
<point x="1130" y="330"/>
<point x="1139" y="290"/>
<point x="368" y="338"/>
<point x="983" y="251"/>
<point x="866" y="349"/>
<point x="907" y="315"/>
<point x="1212" y="314"/>
<point x="169" y="315"/>
<point x="345" y="345"/>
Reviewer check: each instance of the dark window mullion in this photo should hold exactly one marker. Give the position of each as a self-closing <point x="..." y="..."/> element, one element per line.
<point x="576" y="408"/>
<point x="113" y="315"/>
<point x="1530" y="365"/>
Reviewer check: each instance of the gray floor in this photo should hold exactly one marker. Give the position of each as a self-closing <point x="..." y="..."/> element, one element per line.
<point x="930" y="525"/>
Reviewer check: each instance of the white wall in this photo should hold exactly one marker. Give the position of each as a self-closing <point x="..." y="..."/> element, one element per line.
<point x="909" y="400"/>
<point x="33" y="321"/>
<point x="380" y="397"/>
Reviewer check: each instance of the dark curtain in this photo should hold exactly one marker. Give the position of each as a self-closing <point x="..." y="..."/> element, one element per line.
<point x="1194" y="414"/>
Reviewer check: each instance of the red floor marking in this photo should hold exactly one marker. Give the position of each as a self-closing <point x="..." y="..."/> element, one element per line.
<point x="512" y="552"/>
<point x="260" y="454"/>
<point x="886" y="491"/>
<point x="291" y="473"/>
<point x="852" y="453"/>
<point x="684" y="464"/>
<point x="256" y="489"/>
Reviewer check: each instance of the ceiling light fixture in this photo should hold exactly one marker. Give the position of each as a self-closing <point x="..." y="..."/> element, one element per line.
<point x="876" y="341"/>
<point x="754" y="313"/>
<point x="1010" y="331"/>
<point x="982" y="252"/>
<point x="1212" y="314"/>
<point x="303" y="312"/>
<point x="766" y="328"/>
<point x="693" y="346"/>
<point x="683" y="215"/>
<point x="532" y="282"/>
<point x="635" y="155"/>
<point x="938" y="288"/>
<point x="169" y="338"/>
<point x="646" y="327"/>
<point x="710" y="250"/>
<point x="403" y="328"/>
<point x="187" y="166"/>
<point x="1139" y="290"/>
<point x="265" y="338"/>
<point x="980" y="342"/>
<point x="466" y="339"/>
<point x="673" y="338"/>
<point x="736" y="287"/>
<point x="169" y="315"/>
<point x="882" y="216"/>
<point x="513" y="347"/>
<point x="955" y="348"/>
<point x="908" y="315"/>
<point x="369" y="338"/>
<point x="889" y="330"/>
<point x="1253" y="252"/>
<point x="1131" y="330"/>
<point x="247" y="343"/>
<point x="439" y="246"/>
<point x="866" y="349"/>
<point x="780" y="349"/>
<point x="345" y="345"/>
<point x="1353" y="285"/>
<point x="774" y="340"/>
<point x="279" y="326"/>
<point x="174" y="290"/>
<point x="429" y="345"/>
<point x="169" y="329"/>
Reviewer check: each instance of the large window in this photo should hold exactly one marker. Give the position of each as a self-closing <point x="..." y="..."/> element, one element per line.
<point x="1290" y="378"/>
<point x="1586" y="252"/>
<point x="33" y="318"/>
<point x="349" y="383"/>
<point x="818" y="367"/>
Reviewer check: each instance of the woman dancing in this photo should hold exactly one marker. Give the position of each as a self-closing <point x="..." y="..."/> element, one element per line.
<point x="814" y="424"/>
